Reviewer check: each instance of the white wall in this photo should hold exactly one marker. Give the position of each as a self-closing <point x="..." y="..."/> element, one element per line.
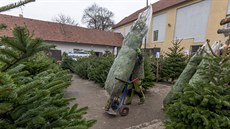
<point x="124" y="30"/>
<point x="127" y="29"/>
<point x="69" y="47"/>
<point x="192" y="21"/>
<point x="159" y="23"/>
<point x="119" y="30"/>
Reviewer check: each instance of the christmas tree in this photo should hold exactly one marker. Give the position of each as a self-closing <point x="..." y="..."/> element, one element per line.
<point x="148" y="80"/>
<point x="32" y="87"/>
<point x="174" y="61"/>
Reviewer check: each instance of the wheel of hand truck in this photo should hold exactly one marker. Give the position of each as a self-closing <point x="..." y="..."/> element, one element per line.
<point x="124" y="111"/>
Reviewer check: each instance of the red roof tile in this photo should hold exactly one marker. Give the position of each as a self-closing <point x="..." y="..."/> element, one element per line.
<point x="50" y="31"/>
<point x="158" y="6"/>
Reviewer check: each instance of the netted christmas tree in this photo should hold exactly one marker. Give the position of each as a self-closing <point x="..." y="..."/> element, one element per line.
<point x="174" y="62"/>
<point x="32" y="87"/>
<point x="204" y="104"/>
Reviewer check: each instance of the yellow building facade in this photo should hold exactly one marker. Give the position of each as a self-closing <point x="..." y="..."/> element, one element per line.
<point x="193" y="21"/>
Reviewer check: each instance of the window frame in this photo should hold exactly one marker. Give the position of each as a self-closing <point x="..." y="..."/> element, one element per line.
<point x="156" y="35"/>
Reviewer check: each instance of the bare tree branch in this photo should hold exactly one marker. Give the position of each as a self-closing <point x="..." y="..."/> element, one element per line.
<point x="63" y="19"/>
<point x="98" y="18"/>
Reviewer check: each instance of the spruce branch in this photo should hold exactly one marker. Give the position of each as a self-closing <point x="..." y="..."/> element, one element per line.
<point x="15" y="5"/>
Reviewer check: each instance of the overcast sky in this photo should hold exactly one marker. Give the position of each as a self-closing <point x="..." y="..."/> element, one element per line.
<point x="48" y="9"/>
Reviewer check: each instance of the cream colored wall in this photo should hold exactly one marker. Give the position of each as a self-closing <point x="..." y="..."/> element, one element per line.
<point x="218" y="11"/>
<point x="123" y="29"/>
<point x="170" y="29"/>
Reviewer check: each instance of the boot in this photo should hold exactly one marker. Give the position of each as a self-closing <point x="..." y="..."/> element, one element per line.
<point x="129" y="97"/>
<point x="141" y="96"/>
<point x="142" y="100"/>
<point x="108" y="104"/>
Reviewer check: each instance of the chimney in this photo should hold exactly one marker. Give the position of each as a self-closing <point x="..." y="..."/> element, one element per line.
<point x="20" y="15"/>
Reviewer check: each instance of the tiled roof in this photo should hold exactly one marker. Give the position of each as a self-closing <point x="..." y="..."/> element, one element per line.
<point x="50" y="31"/>
<point x="158" y="6"/>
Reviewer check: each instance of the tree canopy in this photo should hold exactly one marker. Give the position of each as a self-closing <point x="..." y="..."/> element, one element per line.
<point x="64" y="19"/>
<point x="98" y="17"/>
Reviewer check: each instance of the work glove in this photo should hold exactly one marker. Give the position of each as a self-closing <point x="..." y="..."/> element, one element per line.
<point x="140" y="57"/>
<point x="138" y="50"/>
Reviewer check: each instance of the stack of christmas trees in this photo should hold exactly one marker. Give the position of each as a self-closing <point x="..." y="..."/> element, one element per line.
<point x="201" y="96"/>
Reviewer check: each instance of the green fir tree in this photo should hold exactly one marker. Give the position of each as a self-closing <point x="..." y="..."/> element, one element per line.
<point x="31" y="99"/>
<point x="174" y="61"/>
<point x="148" y="81"/>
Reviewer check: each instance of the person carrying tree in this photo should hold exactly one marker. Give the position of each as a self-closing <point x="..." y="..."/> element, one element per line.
<point x="135" y="87"/>
<point x="136" y="76"/>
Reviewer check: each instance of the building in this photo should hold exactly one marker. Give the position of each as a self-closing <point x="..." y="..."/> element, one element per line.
<point x="67" y="38"/>
<point x="194" y="21"/>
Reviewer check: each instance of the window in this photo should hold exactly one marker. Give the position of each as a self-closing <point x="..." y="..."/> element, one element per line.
<point x="159" y="24"/>
<point x="77" y="50"/>
<point x="228" y="25"/>
<point x="195" y="48"/>
<point x="191" y="21"/>
<point x="155" y="35"/>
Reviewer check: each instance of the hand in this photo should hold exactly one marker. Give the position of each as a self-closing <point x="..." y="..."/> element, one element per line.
<point x="138" y="50"/>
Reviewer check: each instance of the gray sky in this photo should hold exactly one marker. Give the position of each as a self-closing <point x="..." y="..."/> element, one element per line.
<point x="48" y="9"/>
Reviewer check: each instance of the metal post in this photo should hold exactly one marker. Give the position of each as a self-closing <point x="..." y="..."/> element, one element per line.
<point x="157" y="71"/>
<point x="145" y="46"/>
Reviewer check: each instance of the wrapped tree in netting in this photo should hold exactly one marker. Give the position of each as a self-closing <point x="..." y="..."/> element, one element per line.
<point x="200" y="98"/>
<point x="205" y="103"/>
<point x="190" y="73"/>
<point x="124" y="62"/>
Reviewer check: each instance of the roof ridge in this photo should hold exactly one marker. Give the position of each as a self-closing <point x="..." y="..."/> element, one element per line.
<point x="51" y="22"/>
<point x="52" y="31"/>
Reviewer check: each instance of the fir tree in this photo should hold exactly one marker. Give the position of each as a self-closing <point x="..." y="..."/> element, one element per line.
<point x="174" y="62"/>
<point x="148" y="81"/>
<point x="99" y="68"/>
<point x="20" y="47"/>
<point x="32" y="99"/>
<point x="205" y="104"/>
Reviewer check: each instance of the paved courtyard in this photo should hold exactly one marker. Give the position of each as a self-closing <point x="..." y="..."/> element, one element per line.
<point x="146" y="116"/>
